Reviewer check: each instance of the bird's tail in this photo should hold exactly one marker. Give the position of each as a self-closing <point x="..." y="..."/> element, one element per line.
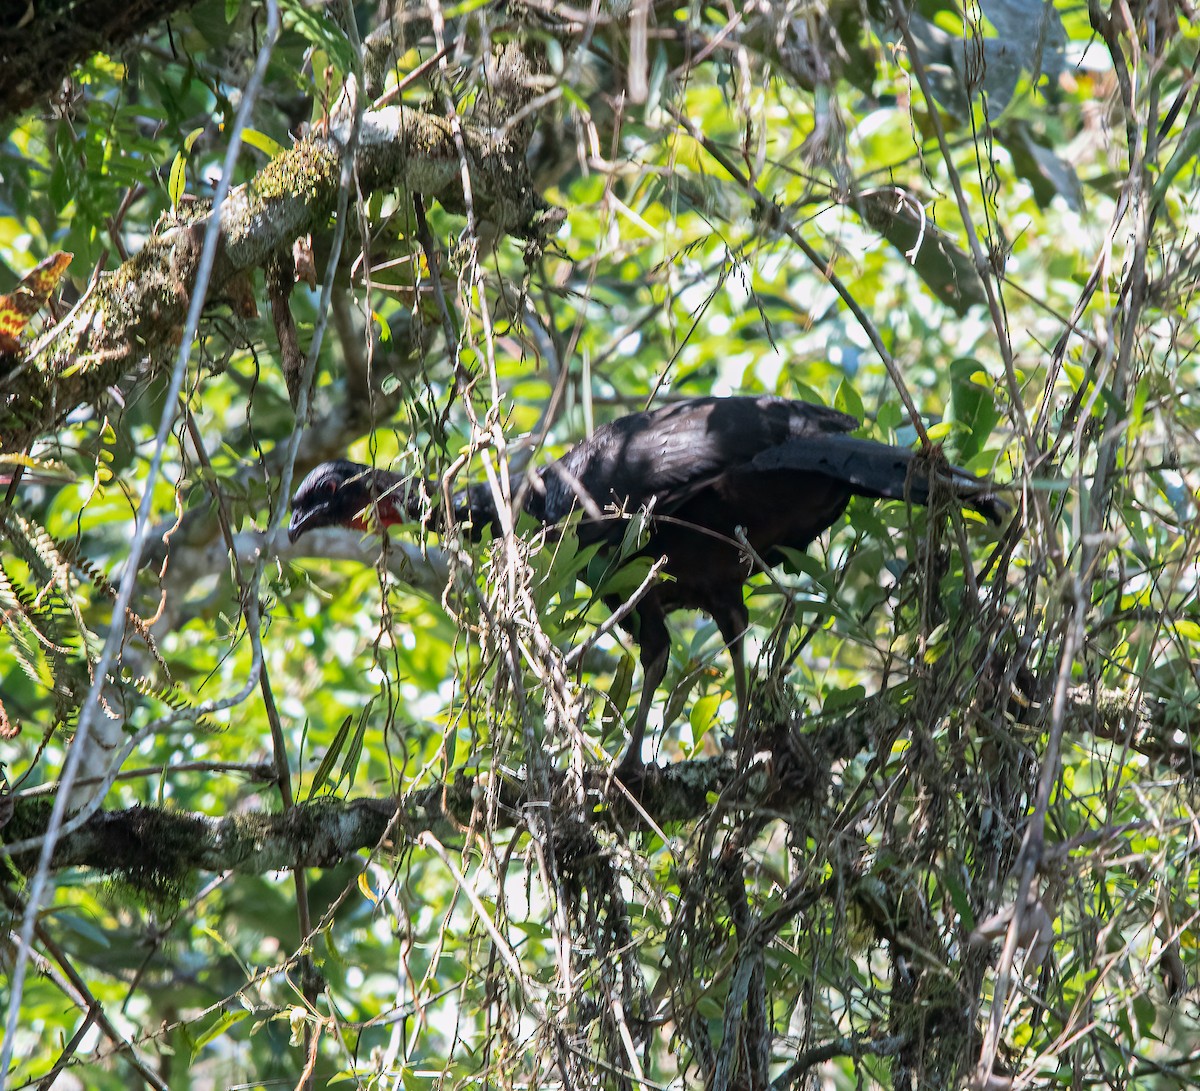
<point x="876" y="470"/>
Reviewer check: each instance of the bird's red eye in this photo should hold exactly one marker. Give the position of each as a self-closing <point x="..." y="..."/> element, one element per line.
<point x="331" y="486"/>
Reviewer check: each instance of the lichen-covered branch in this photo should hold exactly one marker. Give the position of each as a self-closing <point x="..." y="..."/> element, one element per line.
<point x="131" y="319"/>
<point x="151" y="845"/>
<point x="1163" y="732"/>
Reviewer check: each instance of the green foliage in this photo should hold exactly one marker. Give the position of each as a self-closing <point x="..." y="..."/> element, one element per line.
<point x="930" y="692"/>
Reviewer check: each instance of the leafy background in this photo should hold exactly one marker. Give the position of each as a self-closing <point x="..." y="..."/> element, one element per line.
<point x="1007" y="193"/>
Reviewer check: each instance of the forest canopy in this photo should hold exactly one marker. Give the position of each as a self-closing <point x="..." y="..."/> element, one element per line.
<point x="340" y="809"/>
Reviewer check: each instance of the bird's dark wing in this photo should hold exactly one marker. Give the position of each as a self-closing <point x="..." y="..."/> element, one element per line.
<point x="876" y="470"/>
<point x="670" y="454"/>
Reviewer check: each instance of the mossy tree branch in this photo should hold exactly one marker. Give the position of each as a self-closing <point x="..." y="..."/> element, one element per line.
<point x="154" y="845"/>
<point x="130" y="321"/>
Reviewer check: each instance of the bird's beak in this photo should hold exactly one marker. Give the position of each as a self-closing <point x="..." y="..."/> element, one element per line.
<point x="307" y="519"/>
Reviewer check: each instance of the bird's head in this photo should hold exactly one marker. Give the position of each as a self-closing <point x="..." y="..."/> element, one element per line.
<point x="340" y="494"/>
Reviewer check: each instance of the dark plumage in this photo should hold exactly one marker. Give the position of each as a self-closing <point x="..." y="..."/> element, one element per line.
<point x="781" y="470"/>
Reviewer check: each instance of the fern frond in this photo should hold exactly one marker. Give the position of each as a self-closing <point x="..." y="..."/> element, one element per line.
<point x="171" y="695"/>
<point x="45" y="625"/>
<point x="54" y="563"/>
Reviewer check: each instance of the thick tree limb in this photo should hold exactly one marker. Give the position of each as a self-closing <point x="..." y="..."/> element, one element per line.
<point x="132" y="317"/>
<point x="153" y="845"/>
<point x="1165" y="733"/>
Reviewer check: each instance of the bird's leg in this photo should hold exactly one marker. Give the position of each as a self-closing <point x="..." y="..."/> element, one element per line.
<point x="737" y="653"/>
<point x="655" y="642"/>
<point x="631" y="764"/>
<point x="733" y="619"/>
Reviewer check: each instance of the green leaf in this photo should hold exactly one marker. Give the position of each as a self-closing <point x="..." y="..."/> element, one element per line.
<point x="843" y="698"/>
<point x="626" y="578"/>
<point x="847" y="399"/>
<point x="678" y="697"/>
<point x="178" y="179"/>
<point x="972" y="407"/>
<point x="709" y="1007"/>
<point x="312" y="24"/>
<point x="222" y="1023"/>
<point x="331" y="756"/>
<point x="1185" y="152"/>
<point x="83" y="927"/>
<point x="947" y="270"/>
<point x="962" y="904"/>
<point x="353" y="756"/>
<point x="1147" y="1014"/>
<point x="704" y="714"/>
<point x="262" y="142"/>
<point x="618" y="694"/>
